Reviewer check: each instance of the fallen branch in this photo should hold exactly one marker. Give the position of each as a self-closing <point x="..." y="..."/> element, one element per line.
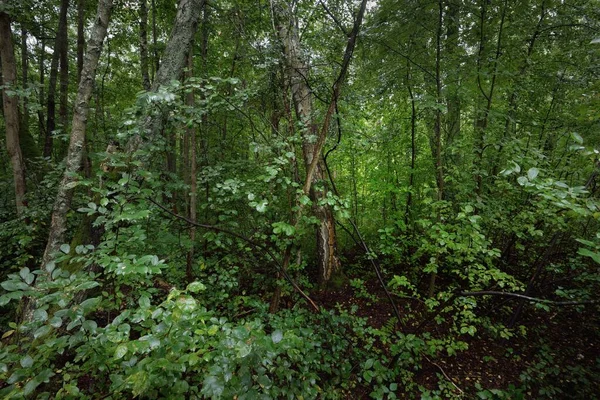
<point x="528" y="298"/>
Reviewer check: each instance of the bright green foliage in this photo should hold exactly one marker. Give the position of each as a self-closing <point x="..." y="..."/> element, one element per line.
<point x="498" y="99"/>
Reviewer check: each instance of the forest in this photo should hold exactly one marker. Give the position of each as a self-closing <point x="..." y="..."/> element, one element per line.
<point x="300" y="199"/>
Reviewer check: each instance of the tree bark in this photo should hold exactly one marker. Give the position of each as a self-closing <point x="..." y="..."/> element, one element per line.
<point x="452" y="120"/>
<point x="156" y="63"/>
<point x="413" y="145"/>
<point x="10" y="105"/>
<point x="60" y="41"/>
<point x="42" y="60"/>
<point x="174" y="59"/>
<point x="63" y="110"/>
<point x="144" y="44"/>
<point x="78" y="126"/>
<point x="296" y="72"/>
<point x="24" y="127"/>
<point x="437" y="129"/>
<point x="80" y="37"/>
<point x="191" y="133"/>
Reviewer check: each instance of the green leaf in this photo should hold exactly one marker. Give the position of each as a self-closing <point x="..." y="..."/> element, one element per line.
<point x="532" y="173"/>
<point x="195" y="287"/>
<point x="522" y="180"/>
<point x="42" y="331"/>
<point x="577" y="137"/>
<point x="26" y="362"/>
<point x="24" y="272"/>
<point x="40" y="315"/>
<point x="56" y="322"/>
<point x="144" y="302"/>
<point x="89" y="325"/>
<point x="262" y="206"/>
<point x="86" y="286"/>
<point x="277" y="336"/>
<point x="65" y="248"/>
<point x="50" y="266"/>
<point x="120" y="351"/>
<point x="10" y="285"/>
<point x="587" y="253"/>
<point x="90" y="303"/>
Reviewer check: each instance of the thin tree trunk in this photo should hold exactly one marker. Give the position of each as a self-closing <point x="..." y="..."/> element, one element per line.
<point x="413" y="148"/>
<point x="452" y="120"/>
<point x="156" y="64"/>
<point x="80" y="37"/>
<point x="63" y="112"/>
<point x="10" y="106"/>
<point x="41" y="126"/>
<point x="439" y="168"/>
<point x="204" y="143"/>
<point x="191" y="133"/>
<point x="60" y="41"/>
<point x="144" y="44"/>
<point x="481" y="122"/>
<point x="78" y="126"/>
<point x="24" y="127"/>
<point x="512" y="102"/>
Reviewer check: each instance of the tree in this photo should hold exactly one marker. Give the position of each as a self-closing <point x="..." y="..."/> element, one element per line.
<point x="56" y="236"/>
<point x="313" y="137"/>
<point x="174" y="59"/>
<point x="59" y="56"/>
<point x="10" y="104"/>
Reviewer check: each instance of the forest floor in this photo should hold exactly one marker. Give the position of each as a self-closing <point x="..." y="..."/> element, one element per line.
<point x="490" y="362"/>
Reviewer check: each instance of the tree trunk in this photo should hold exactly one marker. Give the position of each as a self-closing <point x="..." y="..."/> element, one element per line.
<point x="63" y="110"/>
<point x="24" y="127"/>
<point x="76" y="146"/>
<point x="482" y="119"/>
<point x="296" y="72"/>
<point x="41" y="125"/>
<point x="191" y="133"/>
<point x="80" y="37"/>
<point x="452" y="120"/>
<point x="61" y="36"/>
<point x="10" y="106"/>
<point x="413" y="145"/>
<point x="174" y="59"/>
<point x="437" y="128"/>
<point x="156" y="63"/>
<point x="144" y="44"/>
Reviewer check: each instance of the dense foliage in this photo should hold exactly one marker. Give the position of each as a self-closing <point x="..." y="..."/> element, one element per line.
<point x="460" y="167"/>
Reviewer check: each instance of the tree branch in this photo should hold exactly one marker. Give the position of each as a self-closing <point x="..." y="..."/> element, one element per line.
<point x="245" y="239"/>
<point x="528" y="298"/>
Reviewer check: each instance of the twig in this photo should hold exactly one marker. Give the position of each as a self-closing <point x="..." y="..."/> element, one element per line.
<point x="444" y="373"/>
<point x="245" y="239"/>
<point x="528" y="298"/>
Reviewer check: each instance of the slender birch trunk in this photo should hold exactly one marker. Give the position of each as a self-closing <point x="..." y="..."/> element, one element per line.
<point x="76" y="150"/>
